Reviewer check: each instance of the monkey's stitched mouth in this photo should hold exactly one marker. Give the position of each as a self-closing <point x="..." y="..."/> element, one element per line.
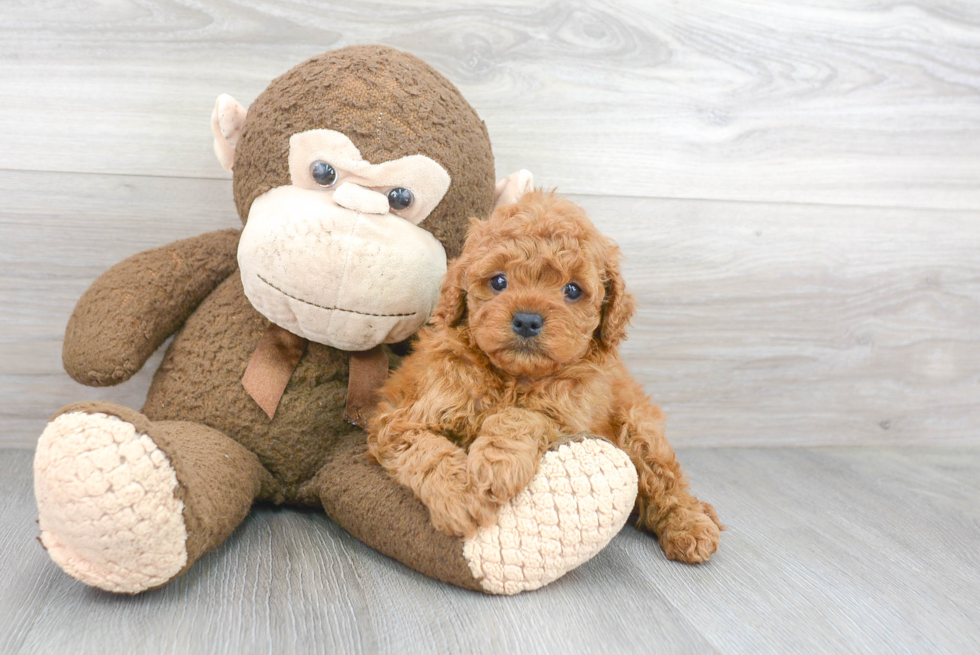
<point x="339" y="309"/>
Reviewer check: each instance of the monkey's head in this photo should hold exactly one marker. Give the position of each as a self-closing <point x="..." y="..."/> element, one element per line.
<point x="355" y="174"/>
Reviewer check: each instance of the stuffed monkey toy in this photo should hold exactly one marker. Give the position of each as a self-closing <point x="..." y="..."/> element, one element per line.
<point x="354" y="174"/>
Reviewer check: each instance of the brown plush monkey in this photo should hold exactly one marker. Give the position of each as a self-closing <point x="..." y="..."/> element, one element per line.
<point x="354" y="174"/>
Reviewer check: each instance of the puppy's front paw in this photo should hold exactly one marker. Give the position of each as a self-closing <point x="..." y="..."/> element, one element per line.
<point x="498" y="475"/>
<point x="690" y="534"/>
<point x="462" y="516"/>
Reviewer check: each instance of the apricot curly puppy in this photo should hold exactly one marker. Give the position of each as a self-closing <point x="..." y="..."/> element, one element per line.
<point x="523" y="350"/>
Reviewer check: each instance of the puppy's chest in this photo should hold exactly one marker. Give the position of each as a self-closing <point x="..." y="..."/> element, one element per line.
<point x="574" y="407"/>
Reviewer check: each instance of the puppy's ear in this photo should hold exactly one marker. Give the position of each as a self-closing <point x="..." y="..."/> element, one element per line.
<point x="451" y="309"/>
<point x="618" y="306"/>
<point x="452" y="301"/>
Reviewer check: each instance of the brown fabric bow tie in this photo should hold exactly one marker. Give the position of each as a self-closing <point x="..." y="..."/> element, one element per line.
<point x="278" y="355"/>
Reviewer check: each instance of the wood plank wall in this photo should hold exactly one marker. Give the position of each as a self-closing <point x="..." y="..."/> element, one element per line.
<point x="796" y="185"/>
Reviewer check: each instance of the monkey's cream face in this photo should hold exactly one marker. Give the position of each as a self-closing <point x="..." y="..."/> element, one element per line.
<point x="336" y="256"/>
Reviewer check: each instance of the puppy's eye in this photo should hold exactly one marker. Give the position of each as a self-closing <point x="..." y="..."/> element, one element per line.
<point x="323" y="173"/>
<point x="573" y="291"/>
<point x="498" y="283"/>
<point x="399" y="198"/>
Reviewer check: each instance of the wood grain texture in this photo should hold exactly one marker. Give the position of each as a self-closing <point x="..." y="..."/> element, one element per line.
<point x="759" y="324"/>
<point x="780" y="324"/>
<point x="858" y="102"/>
<point x="840" y="305"/>
<point x="58" y="233"/>
<point x="829" y="550"/>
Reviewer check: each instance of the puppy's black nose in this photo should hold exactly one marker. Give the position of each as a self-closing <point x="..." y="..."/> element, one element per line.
<point x="527" y="324"/>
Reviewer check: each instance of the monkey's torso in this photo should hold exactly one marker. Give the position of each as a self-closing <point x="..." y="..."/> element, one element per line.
<point x="200" y="381"/>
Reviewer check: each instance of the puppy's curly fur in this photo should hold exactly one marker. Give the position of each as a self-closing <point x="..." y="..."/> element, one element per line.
<point x="467" y="417"/>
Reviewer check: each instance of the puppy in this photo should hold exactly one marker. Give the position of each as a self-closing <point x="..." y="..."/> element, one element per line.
<point x="521" y="351"/>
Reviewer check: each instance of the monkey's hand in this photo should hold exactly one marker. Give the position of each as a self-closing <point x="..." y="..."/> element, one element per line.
<point x="131" y="309"/>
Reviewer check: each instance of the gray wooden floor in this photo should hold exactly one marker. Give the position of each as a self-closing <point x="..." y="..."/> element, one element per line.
<point x="836" y="550"/>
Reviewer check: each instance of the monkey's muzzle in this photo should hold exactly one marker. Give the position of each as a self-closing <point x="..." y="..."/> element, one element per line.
<point x="347" y="279"/>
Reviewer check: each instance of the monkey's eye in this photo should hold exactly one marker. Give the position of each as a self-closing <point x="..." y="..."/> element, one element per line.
<point x="399" y="199"/>
<point x="498" y="283"/>
<point x="323" y="173"/>
<point x="573" y="291"/>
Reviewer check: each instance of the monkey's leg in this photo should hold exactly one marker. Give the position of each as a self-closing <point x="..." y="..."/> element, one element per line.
<point x="577" y="502"/>
<point x="126" y="504"/>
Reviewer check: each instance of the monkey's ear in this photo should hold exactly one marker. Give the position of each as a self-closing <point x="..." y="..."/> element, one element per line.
<point x="618" y="306"/>
<point x="511" y="188"/>
<point x="452" y="300"/>
<point x="227" y="121"/>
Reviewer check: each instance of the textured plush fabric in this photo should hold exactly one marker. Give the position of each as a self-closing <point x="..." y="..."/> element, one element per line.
<point x="219" y="480"/>
<point x="108" y="505"/>
<point x="393" y="522"/>
<point x="227" y="121"/>
<point x="391" y="105"/>
<point x="215" y="451"/>
<point x="580" y="499"/>
<point x="344" y="90"/>
<point x="510" y="189"/>
<point x="214" y="484"/>
<point x="200" y="381"/>
<point x="377" y="283"/>
<point x="132" y="308"/>
<point x="426" y="178"/>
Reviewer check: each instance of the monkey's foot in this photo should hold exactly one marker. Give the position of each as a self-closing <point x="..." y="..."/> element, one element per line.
<point x="577" y="502"/>
<point x="107" y="502"/>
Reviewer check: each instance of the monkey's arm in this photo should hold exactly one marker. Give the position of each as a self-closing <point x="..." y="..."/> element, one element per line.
<point x="134" y="306"/>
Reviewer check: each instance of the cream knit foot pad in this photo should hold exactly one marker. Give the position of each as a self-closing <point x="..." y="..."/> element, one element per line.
<point x="105" y="497"/>
<point x="578" y="501"/>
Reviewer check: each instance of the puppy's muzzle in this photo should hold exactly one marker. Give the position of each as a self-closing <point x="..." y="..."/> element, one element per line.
<point x="527" y="324"/>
